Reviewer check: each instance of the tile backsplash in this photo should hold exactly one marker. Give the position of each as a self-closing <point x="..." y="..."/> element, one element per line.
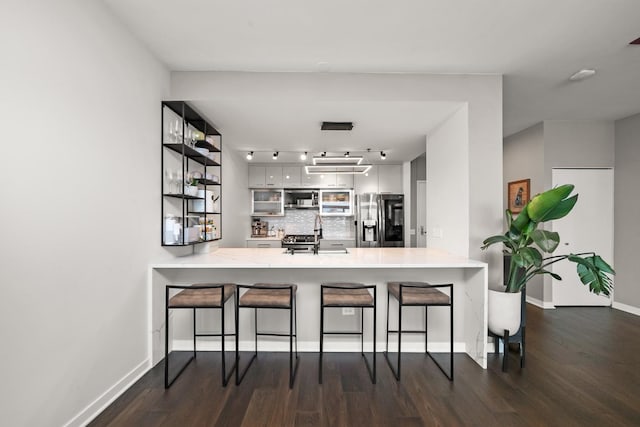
<point x="300" y="221"/>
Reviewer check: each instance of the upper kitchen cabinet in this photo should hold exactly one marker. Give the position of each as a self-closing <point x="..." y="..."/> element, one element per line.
<point x="190" y="178"/>
<point x="380" y="179"/>
<point x="344" y="181"/>
<point x="273" y="177"/>
<point x="257" y="176"/>
<point x="267" y="202"/>
<point x="390" y="179"/>
<point x="367" y="183"/>
<point x="291" y="176"/>
<point x="265" y="176"/>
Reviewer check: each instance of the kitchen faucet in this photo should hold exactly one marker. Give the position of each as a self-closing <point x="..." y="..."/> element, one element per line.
<point x="317" y="227"/>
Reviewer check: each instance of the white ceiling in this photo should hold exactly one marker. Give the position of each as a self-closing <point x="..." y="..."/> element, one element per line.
<point x="535" y="44"/>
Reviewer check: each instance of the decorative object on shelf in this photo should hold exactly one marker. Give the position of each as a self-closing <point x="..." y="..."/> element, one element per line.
<point x="518" y="193"/>
<point x="525" y="244"/>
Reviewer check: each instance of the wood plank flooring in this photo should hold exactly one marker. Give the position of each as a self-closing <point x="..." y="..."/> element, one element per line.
<point x="583" y="369"/>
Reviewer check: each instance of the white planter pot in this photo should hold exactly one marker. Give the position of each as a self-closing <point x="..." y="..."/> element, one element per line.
<point x="191" y="190"/>
<point x="504" y="312"/>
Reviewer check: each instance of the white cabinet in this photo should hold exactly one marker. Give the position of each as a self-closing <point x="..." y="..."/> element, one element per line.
<point x="256" y="176"/>
<point x="291" y="176"/>
<point x="273" y="176"/>
<point x="267" y="202"/>
<point x="337" y="244"/>
<point x="344" y="181"/>
<point x="336" y="202"/>
<point x="390" y="179"/>
<point x="264" y="244"/>
<point x="367" y="183"/>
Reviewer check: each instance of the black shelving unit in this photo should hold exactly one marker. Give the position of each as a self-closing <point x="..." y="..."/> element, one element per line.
<point x="178" y="209"/>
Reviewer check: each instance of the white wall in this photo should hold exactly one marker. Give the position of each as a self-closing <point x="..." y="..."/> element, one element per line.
<point x="236" y="206"/>
<point x="627" y="206"/>
<point x="576" y="143"/>
<point x="482" y="93"/>
<point x="448" y="185"/>
<point x="79" y="179"/>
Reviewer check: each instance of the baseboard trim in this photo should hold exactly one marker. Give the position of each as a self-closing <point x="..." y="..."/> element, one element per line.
<point x="100" y="404"/>
<point x="313" y="346"/>
<point x="542" y="304"/>
<point x="627" y="308"/>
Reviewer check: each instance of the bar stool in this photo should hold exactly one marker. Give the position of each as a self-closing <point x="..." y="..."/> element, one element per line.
<point x="343" y="295"/>
<point x="268" y="296"/>
<point x="418" y="294"/>
<point x="198" y="296"/>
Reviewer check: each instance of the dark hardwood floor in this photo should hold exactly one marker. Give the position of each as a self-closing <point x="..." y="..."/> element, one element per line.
<point x="583" y="369"/>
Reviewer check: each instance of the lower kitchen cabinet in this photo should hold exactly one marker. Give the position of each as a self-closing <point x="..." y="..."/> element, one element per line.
<point x="264" y="243"/>
<point x="337" y="244"/>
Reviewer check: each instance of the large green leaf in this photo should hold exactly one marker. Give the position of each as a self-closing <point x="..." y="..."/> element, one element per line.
<point x="602" y="265"/>
<point x="591" y="275"/>
<point x="561" y="209"/>
<point x="531" y="256"/>
<point x="548" y="241"/>
<point x="500" y="238"/>
<point x="542" y="204"/>
<point x="521" y="221"/>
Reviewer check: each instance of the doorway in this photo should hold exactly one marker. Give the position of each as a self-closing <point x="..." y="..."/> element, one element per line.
<point x="421" y="214"/>
<point x="587" y="228"/>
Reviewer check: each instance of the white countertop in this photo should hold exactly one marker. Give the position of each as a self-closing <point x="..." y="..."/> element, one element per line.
<point x="356" y="258"/>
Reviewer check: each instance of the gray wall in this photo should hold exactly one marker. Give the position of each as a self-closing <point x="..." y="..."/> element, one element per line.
<point x="627" y="206"/>
<point x="524" y="158"/>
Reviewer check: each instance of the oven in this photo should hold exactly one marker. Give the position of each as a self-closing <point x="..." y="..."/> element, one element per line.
<point x="300" y="243"/>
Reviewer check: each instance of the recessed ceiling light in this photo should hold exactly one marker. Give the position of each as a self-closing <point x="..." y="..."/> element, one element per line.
<point x="582" y="74"/>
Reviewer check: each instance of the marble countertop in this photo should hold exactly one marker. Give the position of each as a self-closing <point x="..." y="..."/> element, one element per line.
<point x="355" y="258"/>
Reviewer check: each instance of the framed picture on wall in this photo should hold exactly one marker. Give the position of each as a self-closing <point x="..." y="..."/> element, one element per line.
<point x="518" y="193"/>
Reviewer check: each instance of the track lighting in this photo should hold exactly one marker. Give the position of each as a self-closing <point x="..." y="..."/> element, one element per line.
<point x="303" y="156"/>
<point x="383" y="155"/>
<point x="324" y="154"/>
<point x="346" y="154"/>
<point x="250" y="155"/>
<point x="275" y="156"/>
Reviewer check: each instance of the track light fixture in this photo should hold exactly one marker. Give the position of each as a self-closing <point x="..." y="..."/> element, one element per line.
<point x="346" y="154"/>
<point x="324" y="154"/>
<point x="275" y="155"/>
<point x="250" y="155"/>
<point x="303" y="156"/>
<point x="383" y="155"/>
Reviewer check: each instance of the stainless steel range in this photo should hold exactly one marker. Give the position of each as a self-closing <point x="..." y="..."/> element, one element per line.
<point x="300" y="243"/>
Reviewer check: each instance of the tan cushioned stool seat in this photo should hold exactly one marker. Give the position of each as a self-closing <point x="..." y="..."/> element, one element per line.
<point x="418" y="296"/>
<point x="195" y="297"/>
<point x="349" y="295"/>
<point x="269" y="297"/>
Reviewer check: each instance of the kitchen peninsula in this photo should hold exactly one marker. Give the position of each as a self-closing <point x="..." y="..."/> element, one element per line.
<point x="365" y="265"/>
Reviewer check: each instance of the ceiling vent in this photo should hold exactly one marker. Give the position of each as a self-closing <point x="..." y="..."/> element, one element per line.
<point x="337" y="126"/>
<point x="636" y="41"/>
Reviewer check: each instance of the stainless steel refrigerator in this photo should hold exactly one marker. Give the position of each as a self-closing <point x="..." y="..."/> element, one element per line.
<point x="380" y="220"/>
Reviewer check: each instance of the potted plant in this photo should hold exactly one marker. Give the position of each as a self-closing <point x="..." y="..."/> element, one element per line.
<point x="191" y="187"/>
<point x="530" y="250"/>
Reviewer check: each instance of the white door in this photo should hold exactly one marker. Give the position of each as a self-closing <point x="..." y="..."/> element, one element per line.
<point x="421" y="214"/>
<point x="587" y="228"/>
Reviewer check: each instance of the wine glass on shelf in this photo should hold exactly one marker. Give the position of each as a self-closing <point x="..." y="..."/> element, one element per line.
<point x="178" y="131"/>
<point x="169" y="176"/>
